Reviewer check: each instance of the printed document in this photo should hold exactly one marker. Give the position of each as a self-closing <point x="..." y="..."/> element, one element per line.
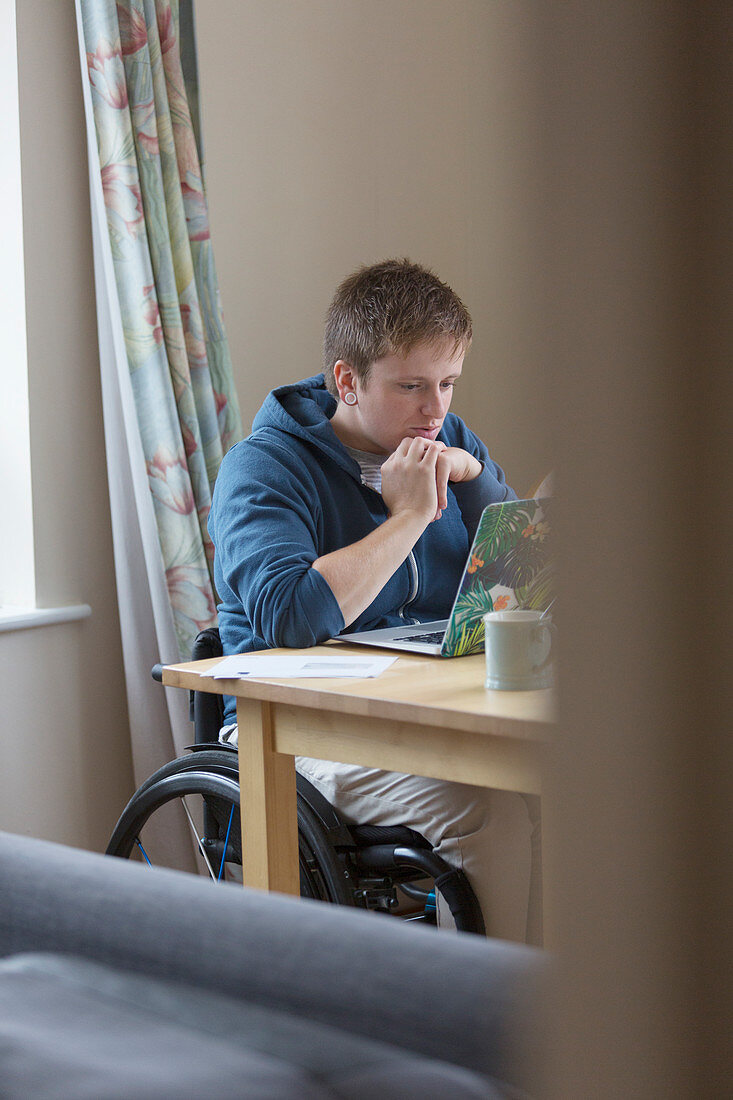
<point x="285" y="667"/>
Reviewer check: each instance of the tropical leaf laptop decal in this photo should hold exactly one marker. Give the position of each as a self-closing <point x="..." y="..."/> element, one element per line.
<point x="511" y="566"/>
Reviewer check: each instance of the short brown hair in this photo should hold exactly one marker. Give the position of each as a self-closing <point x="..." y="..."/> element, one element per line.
<point x="388" y="309"/>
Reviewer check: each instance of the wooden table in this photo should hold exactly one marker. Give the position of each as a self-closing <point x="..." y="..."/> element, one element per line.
<point x="423" y="716"/>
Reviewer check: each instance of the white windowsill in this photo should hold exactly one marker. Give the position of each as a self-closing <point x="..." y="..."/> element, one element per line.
<point x="20" y="618"/>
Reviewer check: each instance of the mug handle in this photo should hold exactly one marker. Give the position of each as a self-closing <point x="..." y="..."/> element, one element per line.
<point x="551" y="632"/>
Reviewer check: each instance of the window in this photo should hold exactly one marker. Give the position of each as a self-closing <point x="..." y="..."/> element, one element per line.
<point x="17" y="555"/>
<point x="17" y="571"/>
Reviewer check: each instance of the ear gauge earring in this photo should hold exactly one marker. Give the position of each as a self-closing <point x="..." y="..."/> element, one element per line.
<point x="350" y="398"/>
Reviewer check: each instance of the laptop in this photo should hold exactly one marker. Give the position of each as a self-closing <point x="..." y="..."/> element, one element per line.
<point x="509" y="566"/>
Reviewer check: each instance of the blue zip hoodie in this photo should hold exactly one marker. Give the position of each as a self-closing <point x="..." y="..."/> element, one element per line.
<point x="289" y="494"/>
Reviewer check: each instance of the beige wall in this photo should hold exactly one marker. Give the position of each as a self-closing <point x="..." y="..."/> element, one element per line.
<point x="339" y="133"/>
<point x="66" y="770"/>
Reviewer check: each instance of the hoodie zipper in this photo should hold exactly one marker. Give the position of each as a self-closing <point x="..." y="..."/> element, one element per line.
<point x="412" y="566"/>
<point x="412" y="569"/>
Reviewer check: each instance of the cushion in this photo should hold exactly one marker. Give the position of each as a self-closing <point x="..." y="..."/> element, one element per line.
<point x="69" y="1027"/>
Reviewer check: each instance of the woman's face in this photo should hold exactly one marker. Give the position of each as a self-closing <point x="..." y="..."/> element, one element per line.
<point x="404" y="397"/>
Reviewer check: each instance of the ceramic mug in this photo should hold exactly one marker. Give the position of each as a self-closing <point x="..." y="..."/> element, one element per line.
<point x="519" y="650"/>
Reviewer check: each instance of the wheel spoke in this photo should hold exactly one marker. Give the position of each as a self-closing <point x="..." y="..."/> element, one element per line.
<point x="194" y="830"/>
<point x="145" y="854"/>
<point x="226" y="844"/>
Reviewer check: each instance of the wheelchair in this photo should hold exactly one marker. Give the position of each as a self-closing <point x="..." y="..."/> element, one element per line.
<point x="346" y="864"/>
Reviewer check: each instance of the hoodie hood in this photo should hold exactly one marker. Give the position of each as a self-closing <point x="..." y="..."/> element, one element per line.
<point x="304" y="410"/>
<point x="291" y="493"/>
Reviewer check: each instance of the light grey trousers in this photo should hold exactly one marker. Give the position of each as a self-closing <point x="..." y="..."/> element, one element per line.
<point x="493" y="836"/>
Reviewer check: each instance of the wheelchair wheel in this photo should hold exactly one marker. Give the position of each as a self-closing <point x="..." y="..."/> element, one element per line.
<point x="201" y="793"/>
<point x="322" y="874"/>
<point x="206" y="803"/>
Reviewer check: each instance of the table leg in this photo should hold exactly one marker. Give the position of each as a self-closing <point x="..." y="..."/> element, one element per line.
<point x="268" y="804"/>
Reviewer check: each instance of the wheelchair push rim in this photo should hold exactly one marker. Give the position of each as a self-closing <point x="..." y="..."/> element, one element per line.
<point x="203" y="797"/>
<point x="206" y="787"/>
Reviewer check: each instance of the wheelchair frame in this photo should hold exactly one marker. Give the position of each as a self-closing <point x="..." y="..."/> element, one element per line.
<point x="343" y="863"/>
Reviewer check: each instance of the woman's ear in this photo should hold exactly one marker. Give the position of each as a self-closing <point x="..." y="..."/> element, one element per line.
<point x="344" y="376"/>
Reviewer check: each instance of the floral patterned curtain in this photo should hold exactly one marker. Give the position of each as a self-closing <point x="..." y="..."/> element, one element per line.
<point x="156" y="213"/>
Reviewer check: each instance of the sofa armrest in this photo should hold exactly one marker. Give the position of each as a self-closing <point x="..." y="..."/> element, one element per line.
<point x="446" y="996"/>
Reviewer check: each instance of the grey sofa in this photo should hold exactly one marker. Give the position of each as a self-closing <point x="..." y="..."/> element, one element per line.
<point x="118" y="981"/>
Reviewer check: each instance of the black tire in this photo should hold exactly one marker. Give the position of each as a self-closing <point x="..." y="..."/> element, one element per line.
<point x="322" y="874"/>
<point x="219" y="760"/>
<point x="210" y="778"/>
<point x="210" y="797"/>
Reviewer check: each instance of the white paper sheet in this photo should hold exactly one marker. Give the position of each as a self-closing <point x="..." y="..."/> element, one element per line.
<point x="284" y="668"/>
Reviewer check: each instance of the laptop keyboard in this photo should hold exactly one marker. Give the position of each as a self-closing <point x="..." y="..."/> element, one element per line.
<point x="436" y="638"/>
